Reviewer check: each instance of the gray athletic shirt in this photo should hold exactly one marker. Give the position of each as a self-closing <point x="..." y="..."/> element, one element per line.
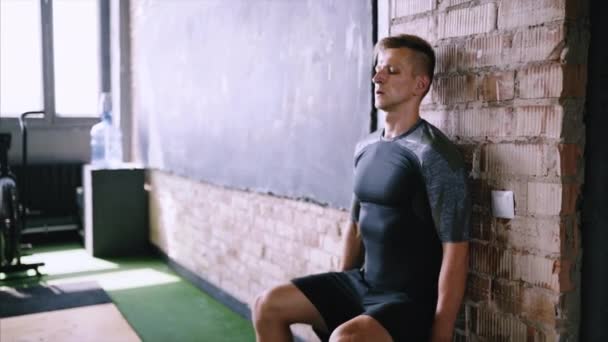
<point x="410" y="195"/>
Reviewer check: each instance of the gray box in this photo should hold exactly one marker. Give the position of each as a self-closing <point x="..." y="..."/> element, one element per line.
<point x="116" y="211"/>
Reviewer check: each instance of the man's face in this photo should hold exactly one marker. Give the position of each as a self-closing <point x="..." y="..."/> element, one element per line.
<point x="396" y="83"/>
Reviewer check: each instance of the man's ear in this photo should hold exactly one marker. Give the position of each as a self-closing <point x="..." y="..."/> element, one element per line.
<point x="422" y="83"/>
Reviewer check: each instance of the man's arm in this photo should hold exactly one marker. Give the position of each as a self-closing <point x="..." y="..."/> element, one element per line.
<point x="452" y="283"/>
<point x="352" y="247"/>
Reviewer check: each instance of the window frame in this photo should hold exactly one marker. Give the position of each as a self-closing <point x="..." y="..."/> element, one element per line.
<point x="51" y="119"/>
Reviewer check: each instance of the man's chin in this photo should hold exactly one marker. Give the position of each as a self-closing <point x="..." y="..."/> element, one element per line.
<point x="381" y="106"/>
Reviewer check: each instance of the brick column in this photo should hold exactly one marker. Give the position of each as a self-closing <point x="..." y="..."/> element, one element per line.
<point x="510" y="90"/>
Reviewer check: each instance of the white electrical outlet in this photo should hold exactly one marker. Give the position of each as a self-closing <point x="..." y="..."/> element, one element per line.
<point x="502" y="204"/>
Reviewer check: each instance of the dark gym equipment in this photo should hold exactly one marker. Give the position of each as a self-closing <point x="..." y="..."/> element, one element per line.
<point x="12" y="213"/>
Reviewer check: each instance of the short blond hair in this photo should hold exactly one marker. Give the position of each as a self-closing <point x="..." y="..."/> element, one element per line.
<point x="423" y="50"/>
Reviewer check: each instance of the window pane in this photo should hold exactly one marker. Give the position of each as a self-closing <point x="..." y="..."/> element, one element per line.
<point x="77" y="62"/>
<point x="20" y="57"/>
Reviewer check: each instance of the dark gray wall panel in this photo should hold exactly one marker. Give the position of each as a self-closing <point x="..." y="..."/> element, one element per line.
<point x="594" y="300"/>
<point x="263" y="95"/>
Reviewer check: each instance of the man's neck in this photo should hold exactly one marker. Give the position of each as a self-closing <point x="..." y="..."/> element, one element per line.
<point x="397" y="123"/>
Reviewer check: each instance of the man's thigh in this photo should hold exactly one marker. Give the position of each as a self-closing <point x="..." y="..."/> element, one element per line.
<point x="404" y="320"/>
<point x="335" y="296"/>
<point x="293" y="306"/>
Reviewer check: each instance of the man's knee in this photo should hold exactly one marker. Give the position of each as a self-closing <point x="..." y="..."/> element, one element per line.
<point x="348" y="332"/>
<point x="266" y="306"/>
<point x="360" y="329"/>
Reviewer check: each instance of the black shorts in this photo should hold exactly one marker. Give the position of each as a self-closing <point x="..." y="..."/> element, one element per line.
<point x="341" y="296"/>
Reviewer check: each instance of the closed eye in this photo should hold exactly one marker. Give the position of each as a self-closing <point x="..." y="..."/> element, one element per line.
<point x="391" y="69"/>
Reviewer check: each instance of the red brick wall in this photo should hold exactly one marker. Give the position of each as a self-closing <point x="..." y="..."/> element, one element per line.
<point x="510" y="89"/>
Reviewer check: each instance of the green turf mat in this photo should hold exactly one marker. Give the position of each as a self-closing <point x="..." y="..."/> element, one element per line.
<point x="158" y="303"/>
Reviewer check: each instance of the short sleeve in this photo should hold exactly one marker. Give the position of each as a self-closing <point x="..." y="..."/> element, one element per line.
<point x="449" y="198"/>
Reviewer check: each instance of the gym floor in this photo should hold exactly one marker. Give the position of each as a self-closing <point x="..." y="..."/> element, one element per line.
<point x="157" y="303"/>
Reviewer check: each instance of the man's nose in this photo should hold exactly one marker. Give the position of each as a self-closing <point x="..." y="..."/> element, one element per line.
<point x="378" y="77"/>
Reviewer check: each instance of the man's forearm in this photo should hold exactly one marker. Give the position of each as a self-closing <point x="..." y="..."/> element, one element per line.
<point x="452" y="283"/>
<point x="352" y="249"/>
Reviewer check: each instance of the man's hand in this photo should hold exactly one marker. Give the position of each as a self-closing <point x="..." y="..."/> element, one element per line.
<point x="442" y="331"/>
<point x="452" y="283"/>
<point x="352" y="248"/>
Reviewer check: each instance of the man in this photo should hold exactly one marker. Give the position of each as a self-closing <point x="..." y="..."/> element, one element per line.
<point x="405" y="252"/>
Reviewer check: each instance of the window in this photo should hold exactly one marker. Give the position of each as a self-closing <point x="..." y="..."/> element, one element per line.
<point x="20" y="57"/>
<point x="59" y="72"/>
<point x="76" y="56"/>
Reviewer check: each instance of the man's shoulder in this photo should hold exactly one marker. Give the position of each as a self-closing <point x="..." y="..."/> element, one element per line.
<point x="431" y="145"/>
<point x="367" y="140"/>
